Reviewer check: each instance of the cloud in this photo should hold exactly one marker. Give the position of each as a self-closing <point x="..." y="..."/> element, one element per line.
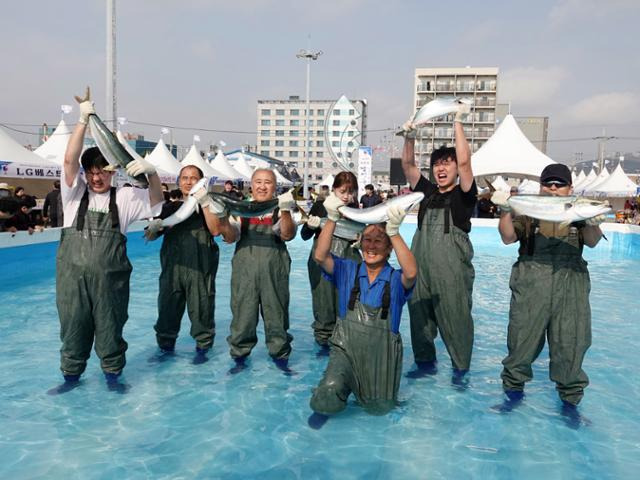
<point x="614" y="108"/>
<point x="566" y="11"/>
<point x="530" y="86"/>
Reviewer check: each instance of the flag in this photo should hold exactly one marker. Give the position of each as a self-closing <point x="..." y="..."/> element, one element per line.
<point x="222" y="144"/>
<point x="122" y="120"/>
<point x="66" y="108"/>
<point x="164" y="130"/>
<point x="196" y="138"/>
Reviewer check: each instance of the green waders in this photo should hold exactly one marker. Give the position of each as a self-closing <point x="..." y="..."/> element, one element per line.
<point x="443" y="292"/>
<point x="260" y="283"/>
<point x="92" y="289"/>
<point x="189" y="259"/>
<point x="549" y="296"/>
<point x="323" y="293"/>
<point x="366" y="359"/>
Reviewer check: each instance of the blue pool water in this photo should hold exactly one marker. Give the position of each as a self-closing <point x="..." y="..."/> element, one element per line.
<point x="181" y="420"/>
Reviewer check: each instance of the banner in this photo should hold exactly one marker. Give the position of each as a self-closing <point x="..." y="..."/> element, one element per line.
<point x="15" y="170"/>
<point x="364" y="169"/>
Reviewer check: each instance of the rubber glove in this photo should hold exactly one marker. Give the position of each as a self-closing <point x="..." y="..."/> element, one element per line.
<point x="408" y="129"/>
<point x="286" y="202"/>
<point x="331" y="205"/>
<point x="463" y="110"/>
<point x="140" y="166"/>
<point x="85" y="107"/>
<point x="396" y="216"/>
<point x="202" y="196"/>
<point x="153" y="229"/>
<point x="218" y="209"/>
<point x="595" y="221"/>
<point x="501" y="199"/>
<point x="313" y="222"/>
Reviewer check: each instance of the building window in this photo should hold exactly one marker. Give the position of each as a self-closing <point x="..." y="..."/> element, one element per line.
<point x="264" y="152"/>
<point x="279" y="133"/>
<point x="311" y="123"/>
<point x="318" y="164"/>
<point x="279" y="153"/>
<point x="335" y="144"/>
<point x="311" y="143"/>
<point x="264" y="143"/>
<point x="320" y="112"/>
<point x="293" y="143"/>
<point x="294" y="111"/>
<point x="321" y="123"/>
<point x="336" y="111"/>
<point x="352" y="111"/>
<point x="265" y="111"/>
<point x="335" y="133"/>
<point x="319" y="143"/>
<point x="265" y="123"/>
<point x="336" y="123"/>
<point x="294" y="123"/>
<point x="293" y="154"/>
<point x="294" y="133"/>
<point x="265" y="133"/>
<point x="279" y="111"/>
<point x="310" y="111"/>
<point x="319" y="154"/>
<point x="279" y="143"/>
<point x="280" y="122"/>
<point x="350" y="133"/>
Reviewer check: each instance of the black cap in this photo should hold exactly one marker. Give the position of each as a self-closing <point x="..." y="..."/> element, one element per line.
<point x="556" y="171"/>
<point x="93" y="158"/>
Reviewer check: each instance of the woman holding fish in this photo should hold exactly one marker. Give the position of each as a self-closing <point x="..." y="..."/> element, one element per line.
<point x="549" y="289"/>
<point x="323" y="293"/>
<point x="260" y="268"/>
<point x="189" y="259"/>
<point x="441" y="245"/>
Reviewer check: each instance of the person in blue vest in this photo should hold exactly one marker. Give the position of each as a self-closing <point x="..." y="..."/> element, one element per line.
<point x="366" y="347"/>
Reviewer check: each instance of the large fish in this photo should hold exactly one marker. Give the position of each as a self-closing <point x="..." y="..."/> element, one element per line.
<point x="557" y="209"/>
<point x="378" y="214"/>
<point x="188" y="206"/>
<point x="434" y="109"/>
<point x="243" y="208"/>
<point x="109" y="146"/>
<point x="345" y="228"/>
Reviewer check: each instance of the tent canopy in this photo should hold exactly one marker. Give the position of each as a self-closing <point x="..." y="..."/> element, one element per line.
<point x="222" y="165"/>
<point x="327" y="180"/>
<point x="586" y="181"/>
<point x="508" y="152"/>
<point x="500" y="184"/>
<point x="56" y="145"/>
<point x="161" y="158"/>
<point x="193" y="158"/>
<point x="12" y="151"/>
<point x="615" y="185"/>
<point x="241" y="166"/>
<point x="587" y="187"/>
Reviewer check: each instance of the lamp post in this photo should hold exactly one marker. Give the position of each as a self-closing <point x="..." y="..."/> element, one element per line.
<point x="308" y="55"/>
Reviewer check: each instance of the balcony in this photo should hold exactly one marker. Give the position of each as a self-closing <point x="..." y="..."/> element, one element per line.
<point x="485" y="102"/>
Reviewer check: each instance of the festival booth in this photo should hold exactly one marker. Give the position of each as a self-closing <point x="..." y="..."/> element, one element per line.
<point x="255" y="160"/>
<point x="579" y="178"/>
<point x="241" y="166"/>
<point x="327" y="180"/>
<point x="586" y="181"/>
<point x="509" y="152"/>
<point x="585" y="188"/>
<point x="194" y="158"/>
<point x="616" y="188"/>
<point x="54" y="148"/>
<point x="168" y="166"/>
<point x="529" y="187"/>
<point x="222" y="165"/>
<point x="500" y="184"/>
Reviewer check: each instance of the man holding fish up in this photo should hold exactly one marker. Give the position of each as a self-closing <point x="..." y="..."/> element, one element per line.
<point x="441" y="245"/>
<point x="259" y="269"/>
<point x="549" y="285"/>
<point x="92" y="281"/>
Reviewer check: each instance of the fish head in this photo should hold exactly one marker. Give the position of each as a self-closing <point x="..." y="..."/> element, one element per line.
<point x="189" y="177"/>
<point x="407" y="202"/>
<point x="585" y="208"/>
<point x="263" y="185"/>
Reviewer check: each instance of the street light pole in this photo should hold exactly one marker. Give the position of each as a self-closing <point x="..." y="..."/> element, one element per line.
<point x="309" y="56"/>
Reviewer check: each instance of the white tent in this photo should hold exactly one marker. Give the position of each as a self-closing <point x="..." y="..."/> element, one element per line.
<point x="615" y="185"/>
<point x="280" y="179"/>
<point x="509" y="152"/>
<point x="161" y="158"/>
<point x="56" y="145"/>
<point x="586" y="181"/>
<point x="327" y="180"/>
<point x="241" y="165"/>
<point x="588" y="187"/>
<point x="528" y="186"/>
<point x="193" y="158"/>
<point x="222" y="165"/>
<point x="12" y="151"/>
<point x="500" y="184"/>
<point x="581" y="176"/>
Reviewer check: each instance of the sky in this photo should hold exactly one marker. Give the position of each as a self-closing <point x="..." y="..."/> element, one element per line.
<point x="205" y="63"/>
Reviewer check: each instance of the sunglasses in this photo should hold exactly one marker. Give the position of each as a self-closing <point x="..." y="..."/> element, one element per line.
<point x="557" y="183"/>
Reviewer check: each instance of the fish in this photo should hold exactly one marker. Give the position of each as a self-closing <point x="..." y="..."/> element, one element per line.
<point x="345" y="228"/>
<point x="434" y="109"/>
<point x="558" y="209"/>
<point x="378" y="214"/>
<point x="243" y="208"/>
<point x="109" y="146"/>
<point x="188" y="206"/>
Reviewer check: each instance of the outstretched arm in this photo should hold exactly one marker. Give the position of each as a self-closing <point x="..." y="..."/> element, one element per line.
<point x="411" y="171"/>
<point x="405" y="258"/>
<point x="463" y="152"/>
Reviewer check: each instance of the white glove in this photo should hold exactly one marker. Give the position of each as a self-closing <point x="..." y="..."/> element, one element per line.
<point x="86" y="108"/>
<point x="595" y="221"/>
<point x="501" y="199"/>
<point x="331" y="205"/>
<point x="313" y="222"/>
<point x="140" y="166"/>
<point x="218" y="209"/>
<point x="202" y="196"/>
<point x="408" y="129"/>
<point x="463" y="110"/>
<point x="152" y="230"/>
<point x="286" y="202"/>
<point x="396" y="216"/>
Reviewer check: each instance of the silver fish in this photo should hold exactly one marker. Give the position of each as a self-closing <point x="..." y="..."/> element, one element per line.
<point x="378" y="214"/>
<point x="187" y="208"/>
<point x="345" y="228"/>
<point x="242" y="208"/>
<point x="557" y="209"/>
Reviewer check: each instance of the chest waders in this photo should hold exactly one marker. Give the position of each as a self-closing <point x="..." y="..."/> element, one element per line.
<point x="549" y="297"/>
<point x="260" y="284"/>
<point x="365" y="359"/>
<point x="443" y="293"/>
<point x="189" y="259"/>
<point x="324" y="294"/>
<point x="92" y="289"/>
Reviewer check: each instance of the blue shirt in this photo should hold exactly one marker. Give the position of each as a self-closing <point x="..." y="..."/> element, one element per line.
<point x="344" y="271"/>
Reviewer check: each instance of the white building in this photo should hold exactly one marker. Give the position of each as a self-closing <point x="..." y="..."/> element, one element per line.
<point x="479" y="85"/>
<point x="337" y="129"/>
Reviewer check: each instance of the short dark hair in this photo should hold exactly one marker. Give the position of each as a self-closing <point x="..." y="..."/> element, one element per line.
<point x="92" y="157"/>
<point x="8" y="205"/>
<point x="175" y="194"/>
<point x="346" y="178"/>
<point x="443" y="152"/>
<point x="28" y="201"/>
<point x="56" y="184"/>
<point x="369" y="186"/>
<point x="228" y="182"/>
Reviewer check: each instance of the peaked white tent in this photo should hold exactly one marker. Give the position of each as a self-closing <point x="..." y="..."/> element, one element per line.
<point x="327" y="180"/>
<point x="161" y="158"/>
<point x="587" y="180"/>
<point x="12" y="151"/>
<point x="528" y="186"/>
<point x="581" y="176"/>
<point x="280" y="179"/>
<point x="615" y="185"/>
<point x="508" y="152"/>
<point x="56" y="145"/>
<point x="241" y="165"/>
<point x="585" y="189"/>
<point x="193" y="158"/>
<point x="500" y="184"/>
<point x="222" y="165"/>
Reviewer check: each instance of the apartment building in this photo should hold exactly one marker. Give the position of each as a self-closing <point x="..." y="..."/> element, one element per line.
<point x="337" y="129"/>
<point x="479" y="85"/>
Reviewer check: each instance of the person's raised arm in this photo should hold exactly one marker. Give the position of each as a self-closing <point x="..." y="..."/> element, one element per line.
<point x="323" y="245"/>
<point x="463" y="152"/>
<point x="591" y="233"/>
<point x="405" y="258"/>
<point x="286" y="203"/>
<point x="216" y="216"/>
<point x="76" y="141"/>
<point x="505" y="224"/>
<point x="411" y="171"/>
<point x="142" y="166"/>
